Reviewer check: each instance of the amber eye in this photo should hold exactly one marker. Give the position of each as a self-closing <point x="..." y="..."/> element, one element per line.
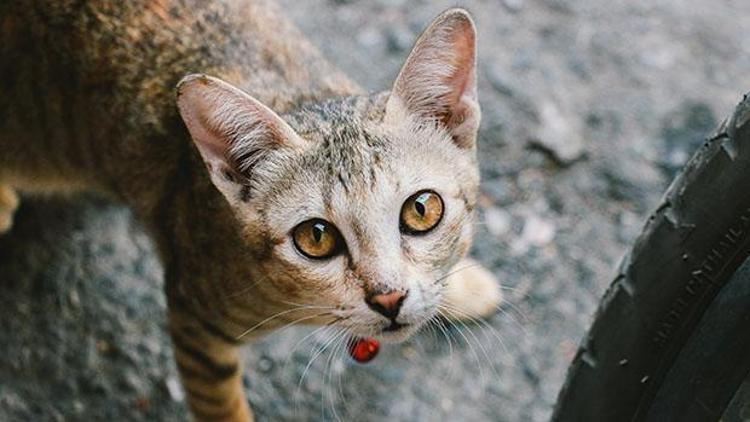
<point x="421" y="212"/>
<point x="317" y="239"/>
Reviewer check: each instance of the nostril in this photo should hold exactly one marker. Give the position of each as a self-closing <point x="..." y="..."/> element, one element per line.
<point x="387" y="304"/>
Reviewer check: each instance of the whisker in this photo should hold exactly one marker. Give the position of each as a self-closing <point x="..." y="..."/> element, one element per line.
<point x="329" y="383"/>
<point x="480" y="345"/>
<point x="267" y="320"/>
<point x="298" y="390"/>
<point x="484" y="325"/>
<point x="242" y="291"/>
<point x="438" y="322"/>
<point x="307" y="306"/>
<point x="317" y="353"/>
<point x="297" y="321"/>
<point x="504" y="308"/>
<point x="471" y="347"/>
<point x="312" y="333"/>
<point x="465" y="267"/>
<point x="342" y="347"/>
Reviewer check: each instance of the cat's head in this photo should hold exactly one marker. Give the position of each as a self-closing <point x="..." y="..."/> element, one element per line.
<point x="363" y="204"/>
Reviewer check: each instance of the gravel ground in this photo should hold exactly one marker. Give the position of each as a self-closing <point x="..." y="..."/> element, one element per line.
<point x="590" y="107"/>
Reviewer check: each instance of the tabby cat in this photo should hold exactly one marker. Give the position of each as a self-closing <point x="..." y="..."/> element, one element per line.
<point x="300" y="197"/>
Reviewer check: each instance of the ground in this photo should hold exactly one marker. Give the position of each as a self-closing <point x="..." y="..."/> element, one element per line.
<point x="590" y="107"/>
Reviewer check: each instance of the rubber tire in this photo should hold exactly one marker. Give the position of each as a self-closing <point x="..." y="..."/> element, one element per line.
<point x="690" y="248"/>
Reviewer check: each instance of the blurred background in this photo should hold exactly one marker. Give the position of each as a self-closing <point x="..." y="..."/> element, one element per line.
<point x="590" y="107"/>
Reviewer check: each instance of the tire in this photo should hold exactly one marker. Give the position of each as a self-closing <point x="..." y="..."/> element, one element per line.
<point x="671" y="338"/>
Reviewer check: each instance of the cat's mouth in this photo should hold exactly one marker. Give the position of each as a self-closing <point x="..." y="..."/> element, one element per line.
<point x="397" y="332"/>
<point x="395" y="326"/>
<point x="364" y="348"/>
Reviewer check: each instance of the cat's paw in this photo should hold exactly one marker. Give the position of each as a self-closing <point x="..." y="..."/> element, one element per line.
<point x="8" y="205"/>
<point x="471" y="292"/>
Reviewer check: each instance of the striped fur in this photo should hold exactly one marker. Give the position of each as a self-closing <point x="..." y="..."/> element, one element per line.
<point x="89" y="103"/>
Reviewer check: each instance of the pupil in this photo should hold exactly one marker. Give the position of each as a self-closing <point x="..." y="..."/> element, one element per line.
<point x="317" y="230"/>
<point x="419" y="205"/>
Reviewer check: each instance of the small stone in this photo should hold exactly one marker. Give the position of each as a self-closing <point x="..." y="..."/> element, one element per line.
<point x="370" y="38"/>
<point x="174" y="388"/>
<point x="536" y="232"/>
<point x="497" y="221"/>
<point x="410" y="353"/>
<point x="265" y="364"/>
<point x="559" y="134"/>
<point x="78" y="406"/>
<point x="132" y="382"/>
<point x="103" y="347"/>
<point x="659" y="58"/>
<point x="629" y="225"/>
<point x="74" y="299"/>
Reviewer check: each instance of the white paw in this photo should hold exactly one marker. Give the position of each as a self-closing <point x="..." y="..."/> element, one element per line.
<point x="471" y="292"/>
<point x="8" y="205"/>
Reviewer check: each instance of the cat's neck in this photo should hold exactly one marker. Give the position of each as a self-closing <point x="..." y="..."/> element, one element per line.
<point x="200" y="241"/>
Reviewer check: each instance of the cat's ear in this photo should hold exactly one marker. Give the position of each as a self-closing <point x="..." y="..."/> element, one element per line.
<point x="437" y="84"/>
<point x="232" y="130"/>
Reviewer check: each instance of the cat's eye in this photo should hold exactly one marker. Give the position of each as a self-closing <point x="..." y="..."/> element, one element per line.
<point x="421" y="212"/>
<point x="317" y="239"/>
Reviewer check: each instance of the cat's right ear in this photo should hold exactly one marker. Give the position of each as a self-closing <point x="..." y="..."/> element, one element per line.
<point x="437" y="84"/>
<point x="232" y="130"/>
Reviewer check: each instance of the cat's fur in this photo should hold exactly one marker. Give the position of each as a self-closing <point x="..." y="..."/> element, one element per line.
<point x="87" y="101"/>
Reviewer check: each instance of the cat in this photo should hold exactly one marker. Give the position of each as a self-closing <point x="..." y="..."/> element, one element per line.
<point x="276" y="190"/>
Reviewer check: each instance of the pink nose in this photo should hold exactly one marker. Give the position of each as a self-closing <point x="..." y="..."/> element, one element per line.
<point x="387" y="304"/>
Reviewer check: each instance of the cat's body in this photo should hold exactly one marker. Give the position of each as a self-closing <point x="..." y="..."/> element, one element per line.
<point x="88" y="103"/>
<point x="96" y="80"/>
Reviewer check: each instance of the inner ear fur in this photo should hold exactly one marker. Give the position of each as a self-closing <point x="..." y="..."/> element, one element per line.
<point x="232" y="130"/>
<point x="437" y="83"/>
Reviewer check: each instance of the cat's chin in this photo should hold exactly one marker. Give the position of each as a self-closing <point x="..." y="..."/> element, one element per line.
<point x="398" y="336"/>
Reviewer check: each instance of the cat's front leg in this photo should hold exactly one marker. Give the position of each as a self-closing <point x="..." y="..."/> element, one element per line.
<point x="471" y="292"/>
<point x="8" y="205"/>
<point x="210" y="368"/>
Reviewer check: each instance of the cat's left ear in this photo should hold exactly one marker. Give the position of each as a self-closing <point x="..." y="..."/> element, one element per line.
<point x="437" y="84"/>
<point x="233" y="131"/>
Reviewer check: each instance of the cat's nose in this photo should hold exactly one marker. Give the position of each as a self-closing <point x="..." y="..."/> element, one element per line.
<point x="387" y="304"/>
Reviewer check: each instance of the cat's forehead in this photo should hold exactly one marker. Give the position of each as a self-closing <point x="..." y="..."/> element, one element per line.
<point x="327" y="117"/>
<point x="348" y="145"/>
<point x="360" y="170"/>
<point x="357" y="163"/>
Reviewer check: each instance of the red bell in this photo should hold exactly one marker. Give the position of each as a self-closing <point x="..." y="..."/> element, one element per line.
<point x="363" y="350"/>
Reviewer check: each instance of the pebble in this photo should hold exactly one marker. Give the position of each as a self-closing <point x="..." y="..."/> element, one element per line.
<point x="265" y="364"/>
<point x="370" y="38"/>
<point x="497" y="221"/>
<point x="174" y="388"/>
<point x="537" y="232"/>
<point x="559" y="134"/>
